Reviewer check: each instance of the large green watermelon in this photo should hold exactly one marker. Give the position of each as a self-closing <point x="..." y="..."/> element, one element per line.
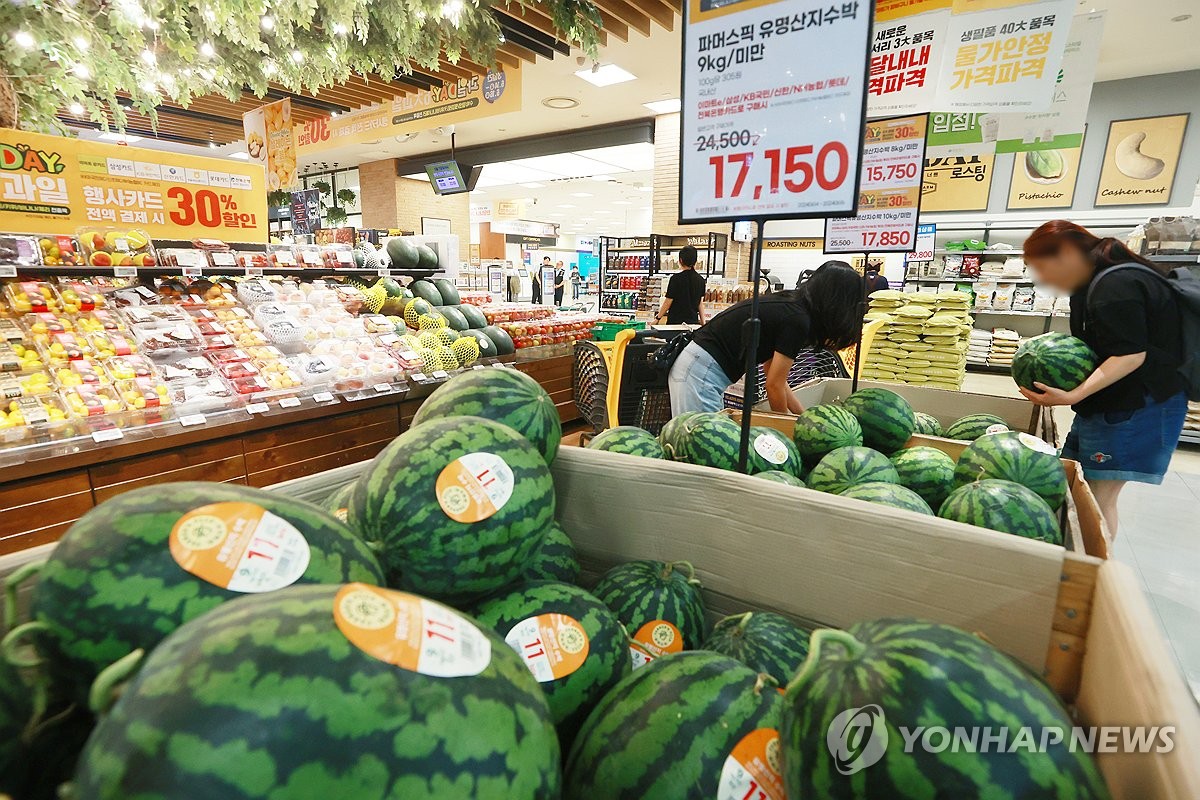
<point x="628" y="439"/>
<point x="673" y="435"/>
<point x="712" y="440"/>
<point x="427" y="258"/>
<point x="689" y="726"/>
<point x="455" y="318"/>
<point x="49" y="753"/>
<point x="658" y="603"/>
<point x="316" y="692"/>
<point x="771" y="451"/>
<point x="455" y="507"/>
<point x="141" y="564"/>
<point x="763" y="641"/>
<point x="448" y="291"/>
<point x="554" y="559"/>
<point x="1057" y="360"/>
<point x="972" y="426"/>
<point x="886" y="418"/>
<point x="781" y="477"/>
<point x="475" y="318"/>
<point x="402" y="254"/>
<point x="822" y="429"/>
<point x="1003" y="506"/>
<point x="427" y="292"/>
<point x="927" y="471"/>
<point x="339" y="501"/>
<point x="487" y="348"/>
<point x="571" y="642"/>
<point x="927" y="424"/>
<point x="848" y="466"/>
<point x="889" y="494"/>
<point x="500" y="338"/>
<point x="16" y="710"/>
<point x="505" y="395"/>
<point x="844" y="712"/>
<point x="1016" y="457"/>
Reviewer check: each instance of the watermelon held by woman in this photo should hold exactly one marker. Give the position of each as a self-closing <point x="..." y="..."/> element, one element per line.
<point x="314" y="691"/>
<point x="141" y="564"/>
<point x="630" y="440"/>
<point x="886" y="418"/>
<point x="658" y="603"/>
<point x="860" y="686"/>
<point x="1003" y="506"/>
<point x="1057" y="360"/>
<point x="1017" y="457"/>
<point x="763" y="641"/>
<point x="848" y="466"/>
<point x="822" y="429"/>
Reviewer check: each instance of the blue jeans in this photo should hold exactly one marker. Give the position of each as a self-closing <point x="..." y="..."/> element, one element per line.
<point x="1128" y="445"/>
<point x="697" y="382"/>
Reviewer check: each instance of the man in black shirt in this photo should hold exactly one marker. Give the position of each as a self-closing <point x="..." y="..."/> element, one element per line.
<point x="684" y="303"/>
<point x="560" y="283"/>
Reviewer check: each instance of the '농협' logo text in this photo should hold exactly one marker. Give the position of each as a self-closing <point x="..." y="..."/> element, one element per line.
<point x="857" y="738"/>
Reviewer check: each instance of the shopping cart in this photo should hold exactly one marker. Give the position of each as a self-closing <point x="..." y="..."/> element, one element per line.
<point x="616" y="383"/>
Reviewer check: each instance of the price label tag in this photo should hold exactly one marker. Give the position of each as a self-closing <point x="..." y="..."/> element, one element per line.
<point x="382" y="272"/>
<point x="222" y="258"/>
<point x="145" y="292"/>
<point x="441" y="374"/>
<point x="323" y="397"/>
<point x="257" y="408"/>
<point x="479" y="366"/>
<point x="8" y="271"/>
<point x="289" y="402"/>
<point x="383" y="388"/>
<point x="311" y="258"/>
<point x="345" y="257"/>
<point x="189" y="258"/>
<point x="408" y="355"/>
<point x="419" y="377"/>
<point x="192" y="272"/>
<point x="254" y="272"/>
<point x="109" y="435"/>
<point x="285" y="258"/>
<point x="124" y="272"/>
<point x="192" y="419"/>
<point x="388" y="339"/>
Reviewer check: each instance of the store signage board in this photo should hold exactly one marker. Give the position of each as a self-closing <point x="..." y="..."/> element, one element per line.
<point x="524" y="227"/>
<point x="271" y="142"/>
<point x="496" y="280"/>
<point x="476" y="97"/>
<point x="58" y="185"/>
<point x="811" y="244"/>
<point x="1044" y="178"/>
<point x="926" y="239"/>
<point x="306" y="211"/>
<point x="889" y="194"/>
<point x="957" y="183"/>
<point x="1141" y="158"/>
<point x="774" y="101"/>
<point x="907" y="44"/>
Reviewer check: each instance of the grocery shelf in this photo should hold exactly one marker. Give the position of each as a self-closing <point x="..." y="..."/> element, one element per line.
<point x="1177" y="258"/>
<point x="1189" y="437"/>
<point x="989" y="369"/>
<point x="981" y="279"/>
<point x="1011" y="313"/>
<point x="160" y="271"/>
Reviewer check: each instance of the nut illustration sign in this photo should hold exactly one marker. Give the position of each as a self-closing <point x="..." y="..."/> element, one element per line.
<point x="1140" y="161"/>
<point x="271" y="142"/>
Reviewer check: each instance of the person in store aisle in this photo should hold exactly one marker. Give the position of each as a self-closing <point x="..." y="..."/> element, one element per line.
<point x="512" y="281"/>
<point x="875" y="282"/>
<point x="1130" y="411"/>
<point x="826" y="311"/>
<point x="576" y="283"/>
<point x="684" y="303"/>
<point x="537" y="279"/>
<point x="560" y="283"/>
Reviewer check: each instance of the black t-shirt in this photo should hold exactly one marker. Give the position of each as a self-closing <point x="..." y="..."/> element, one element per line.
<point x="875" y="282"/>
<point x="1131" y="312"/>
<point x="686" y="291"/>
<point x="785" y="328"/>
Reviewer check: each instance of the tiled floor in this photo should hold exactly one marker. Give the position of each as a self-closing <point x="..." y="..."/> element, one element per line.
<point x="1159" y="538"/>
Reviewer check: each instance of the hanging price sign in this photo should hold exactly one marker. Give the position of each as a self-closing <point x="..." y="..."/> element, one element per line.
<point x="773" y="108"/>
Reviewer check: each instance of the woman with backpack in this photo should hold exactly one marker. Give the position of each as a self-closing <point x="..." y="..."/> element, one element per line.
<point x="1130" y="411"/>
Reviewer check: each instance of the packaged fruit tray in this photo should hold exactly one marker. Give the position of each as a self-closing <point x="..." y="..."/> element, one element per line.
<point x="38" y="418"/>
<point x="114" y="247"/>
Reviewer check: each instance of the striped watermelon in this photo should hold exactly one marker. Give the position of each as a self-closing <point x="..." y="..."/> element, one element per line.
<point x="886" y="418"/>
<point x="927" y="471"/>
<point x="712" y="440"/>
<point x="870" y="680"/>
<point x="124" y="576"/>
<point x="1057" y="360"/>
<point x="571" y="641"/>
<point x="507" y="396"/>
<point x="763" y="641"/>
<point x="670" y="731"/>
<point x="972" y="426"/>
<point x="889" y="494"/>
<point x="311" y="692"/>
<point x="554" y="559"/>
<point x="771" y="451"/>
<point x="658" y="603"/>
<point x="338" y="502"/>
<point x="674" y="434"/>
<point x="628" y="439"/>
<point x="1016" y="457"/>
<point x="1003" y="506"/>
<point x="49" y="753"/>
<point x="848" y="466"/>
<point x="16" y="710"/>
<point x="822" y="429"/>
<point x="455" y="506"/>
<point x="927" y="424"/>
<point x="781" y="477"/>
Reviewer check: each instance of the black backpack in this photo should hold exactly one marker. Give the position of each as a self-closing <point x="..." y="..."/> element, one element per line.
<point x="1185" y="285"/>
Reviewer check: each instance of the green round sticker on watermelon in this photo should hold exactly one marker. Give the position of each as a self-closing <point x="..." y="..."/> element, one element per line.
<point x="474" y="486"/>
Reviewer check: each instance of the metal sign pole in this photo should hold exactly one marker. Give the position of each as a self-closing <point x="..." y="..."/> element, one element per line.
<point x="750" y="336"/>
<point x="862" y="322"/>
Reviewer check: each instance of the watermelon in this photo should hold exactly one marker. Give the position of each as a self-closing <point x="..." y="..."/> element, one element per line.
<point x="415" y="310"/>
<point x="712" y="440"/>
<point x="927" y="471"/>
<point x="16" y="710"/>
<point x="500" y="338"/>
<point x="927" y="424"/>
<point x="1003" y="506"/>
<point x="426" y="291"/>
<point x="427" y="258"/>
<point x="886" y="418"/>
<point x="571" y="642"/>
<point x="822" y="429"/>
<point x="658" y="603"/>
<point x="507" y="396"/>
<point x="49" y="753"/>
<point x="888" y="494"/>
<point x="771" y="451"/>
<point x="781" y="477"/>
<point x="972" y="426"/>
<point x="763" y="641"/>
<point x="487" y="348"/>
<point x="455" y="506"/>
<point x="554" y="559"/>
<point x="670" y="732"/>
<point x="448" y="291"/>
<point x="337" y="503"/>
<point x="401" y="253"/>
<point x="844" y="710"/>
<point x="311" y="692"/>
<point x="455" y="318"/>
<point x="1057" y="360"/>
<point x="848" y="466"/>
<point x="141" y="564"/>
<point x="674" y="434"/>
<point x="1016" y="457"/>
<point x="465" y="350"/>
<point x="628" y="439"/>
<point x="475" y="317"/>
<point x="392" y="287"/>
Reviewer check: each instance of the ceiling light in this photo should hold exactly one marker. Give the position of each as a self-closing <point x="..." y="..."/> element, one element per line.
<point x="297" y="56"/>
<point x="149" y="57"/>
<point x="533" y="185"/>
<point x="212" y="145"/>
<point x="664" y="106"/>
<point x="603" y="178"/>
<point x="81" y="42"/>
<point x="602" y="211"/>
<point x="113" y="136"/>
<point x="645" y="188"/>
<point x="267" y="22"/>
<point x="566" y="205"/>
<point x="605" y="75"/>
<point x="580" y="194"/>
<point x="333" y="113"/>
<point x="560" y="103"/>
<point x="1181" y="18"/>
<point x="621" y="203"/>
<point x="207" y="50"/>
<point x="269" y="68"/>
<point x="339" y="29"/>
<point x="240" y="155"/>
<point x="24" y="38"/>
<point x="149" y="85"/>
<point x="76" y="109"/>
<point x="81" y="71"/>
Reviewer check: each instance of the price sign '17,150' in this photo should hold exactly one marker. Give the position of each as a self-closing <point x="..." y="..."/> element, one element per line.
<point x="772" y="111"/>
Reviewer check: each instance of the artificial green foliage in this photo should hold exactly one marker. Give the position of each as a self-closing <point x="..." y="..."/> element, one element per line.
<point x="61" y="52"/>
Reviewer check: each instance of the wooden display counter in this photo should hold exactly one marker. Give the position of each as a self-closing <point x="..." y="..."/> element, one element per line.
<point x="39" y="499"/>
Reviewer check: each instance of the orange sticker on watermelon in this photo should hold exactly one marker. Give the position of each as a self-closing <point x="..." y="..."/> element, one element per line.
<point x="552" y="645"/>
<point x="655" y="639"/>
<point x="239" y="546"/>
<point x="475" y="486"/>
<point x="753" y="770"/>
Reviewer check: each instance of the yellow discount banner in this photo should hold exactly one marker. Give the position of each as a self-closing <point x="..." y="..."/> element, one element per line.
<point x="53" y="184"/>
